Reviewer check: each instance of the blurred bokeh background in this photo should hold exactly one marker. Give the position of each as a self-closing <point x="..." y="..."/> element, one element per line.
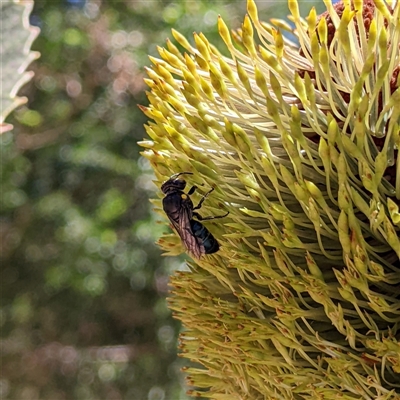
<point x="83" y="284"/>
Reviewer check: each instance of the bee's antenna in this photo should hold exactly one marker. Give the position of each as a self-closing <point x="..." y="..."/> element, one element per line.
<point x="180" y="173"/>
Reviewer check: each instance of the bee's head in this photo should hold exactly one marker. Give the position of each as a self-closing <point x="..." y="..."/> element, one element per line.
<point x="173" y="185"/>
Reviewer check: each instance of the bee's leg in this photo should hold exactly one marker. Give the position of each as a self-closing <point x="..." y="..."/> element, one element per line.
<point x="197" y="215"/>
<point x="192" y="190"/>
<point x="200" y="218"/>
<point x="202" y="199"/>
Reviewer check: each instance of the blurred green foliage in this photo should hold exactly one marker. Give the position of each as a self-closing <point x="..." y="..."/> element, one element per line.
<point x="83" y="311"/>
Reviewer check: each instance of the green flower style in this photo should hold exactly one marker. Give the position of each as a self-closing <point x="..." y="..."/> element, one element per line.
<point x="301" y="144"/>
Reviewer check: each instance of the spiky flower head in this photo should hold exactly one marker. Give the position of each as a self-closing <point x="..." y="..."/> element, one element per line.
<point x="301" y="144"/>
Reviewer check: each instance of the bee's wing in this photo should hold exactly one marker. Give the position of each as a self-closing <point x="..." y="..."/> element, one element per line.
<point x="191" y="242"/>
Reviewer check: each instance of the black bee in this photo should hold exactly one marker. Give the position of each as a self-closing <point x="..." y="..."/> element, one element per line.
<point x="180" y="210"/>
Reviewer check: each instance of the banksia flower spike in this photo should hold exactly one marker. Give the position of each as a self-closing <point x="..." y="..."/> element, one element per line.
<point x="301" y="144"/>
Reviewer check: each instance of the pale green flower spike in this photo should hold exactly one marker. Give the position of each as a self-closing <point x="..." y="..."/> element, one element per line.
<point x="301" y="145"/>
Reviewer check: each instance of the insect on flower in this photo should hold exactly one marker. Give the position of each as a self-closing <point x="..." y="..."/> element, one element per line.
<point x="180" y="210"/>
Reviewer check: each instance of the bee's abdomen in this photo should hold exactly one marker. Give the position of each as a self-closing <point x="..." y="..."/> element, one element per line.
<point x="200" y="231"/>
